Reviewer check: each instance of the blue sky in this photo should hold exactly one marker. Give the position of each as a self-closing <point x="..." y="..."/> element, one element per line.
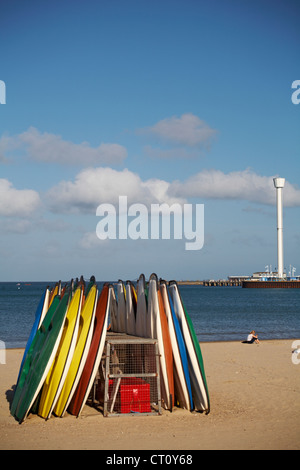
<point x="162" y="101"/>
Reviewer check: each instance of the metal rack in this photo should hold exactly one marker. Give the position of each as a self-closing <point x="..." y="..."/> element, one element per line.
<point x="129" y="375"/>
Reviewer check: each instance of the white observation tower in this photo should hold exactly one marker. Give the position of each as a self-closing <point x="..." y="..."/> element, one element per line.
<point x="279" y="184"/>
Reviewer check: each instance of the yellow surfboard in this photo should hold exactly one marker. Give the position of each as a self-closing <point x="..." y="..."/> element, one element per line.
<point x="56" y="290"/>
<point x="85" y="333"/>
<point x="58" y="372"/>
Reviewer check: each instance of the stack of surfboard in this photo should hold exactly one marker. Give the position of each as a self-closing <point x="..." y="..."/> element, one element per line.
<point x="64" y="350"/>
<point x="66" y="343"/>
<point x="156" y="310"/>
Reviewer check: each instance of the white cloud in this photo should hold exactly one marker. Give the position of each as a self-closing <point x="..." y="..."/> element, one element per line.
<point x="94" y="186"/>
<point x="187" y="129"/>
<point x="46" y="147"/>
<point x="17" y="202"/>
<point x="238" y="185"/>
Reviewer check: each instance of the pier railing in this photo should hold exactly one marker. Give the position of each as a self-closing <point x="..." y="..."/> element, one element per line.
<point x="282" y="284"/>
<point x="212" y="283"/>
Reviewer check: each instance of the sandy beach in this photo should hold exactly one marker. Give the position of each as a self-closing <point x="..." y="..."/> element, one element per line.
<point x="255" y="404"/>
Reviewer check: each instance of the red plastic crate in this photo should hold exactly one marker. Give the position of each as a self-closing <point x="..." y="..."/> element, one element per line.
<point x="133" y="396"/>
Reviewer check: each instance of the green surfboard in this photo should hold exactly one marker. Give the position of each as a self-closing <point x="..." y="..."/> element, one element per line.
<point x="39" y="358"/>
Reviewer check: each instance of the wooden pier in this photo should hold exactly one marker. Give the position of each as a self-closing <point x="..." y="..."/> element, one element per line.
<point x="249" y="283"/>
<point x="222" y="283"/>
<point x="212" y="283"/>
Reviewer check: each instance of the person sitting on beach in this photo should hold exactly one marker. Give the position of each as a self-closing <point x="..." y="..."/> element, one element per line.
<point x="252" y="338"/>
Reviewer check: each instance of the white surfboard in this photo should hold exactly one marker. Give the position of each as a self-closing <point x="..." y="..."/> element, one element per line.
<point x="181" y="375"/>
<point x="164" y="349"/>
<point x="130" y="310"/>
<point x="121" y="311"/>
<point x="141" y="312"/>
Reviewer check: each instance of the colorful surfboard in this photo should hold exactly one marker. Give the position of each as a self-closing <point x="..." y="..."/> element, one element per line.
<point x="196" y="365"/>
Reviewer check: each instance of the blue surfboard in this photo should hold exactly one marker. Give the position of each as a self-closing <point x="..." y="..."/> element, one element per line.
<point x="35" y="326"/>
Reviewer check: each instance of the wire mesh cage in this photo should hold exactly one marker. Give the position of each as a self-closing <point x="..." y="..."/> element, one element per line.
<point x="129" y="376"/>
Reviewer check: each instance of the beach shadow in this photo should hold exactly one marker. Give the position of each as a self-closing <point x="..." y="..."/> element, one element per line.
<point x="10" y="395"/>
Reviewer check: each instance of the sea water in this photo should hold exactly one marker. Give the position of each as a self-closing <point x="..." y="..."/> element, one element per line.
<point x="217" y="313"/>
<point x="230" y="313"/>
